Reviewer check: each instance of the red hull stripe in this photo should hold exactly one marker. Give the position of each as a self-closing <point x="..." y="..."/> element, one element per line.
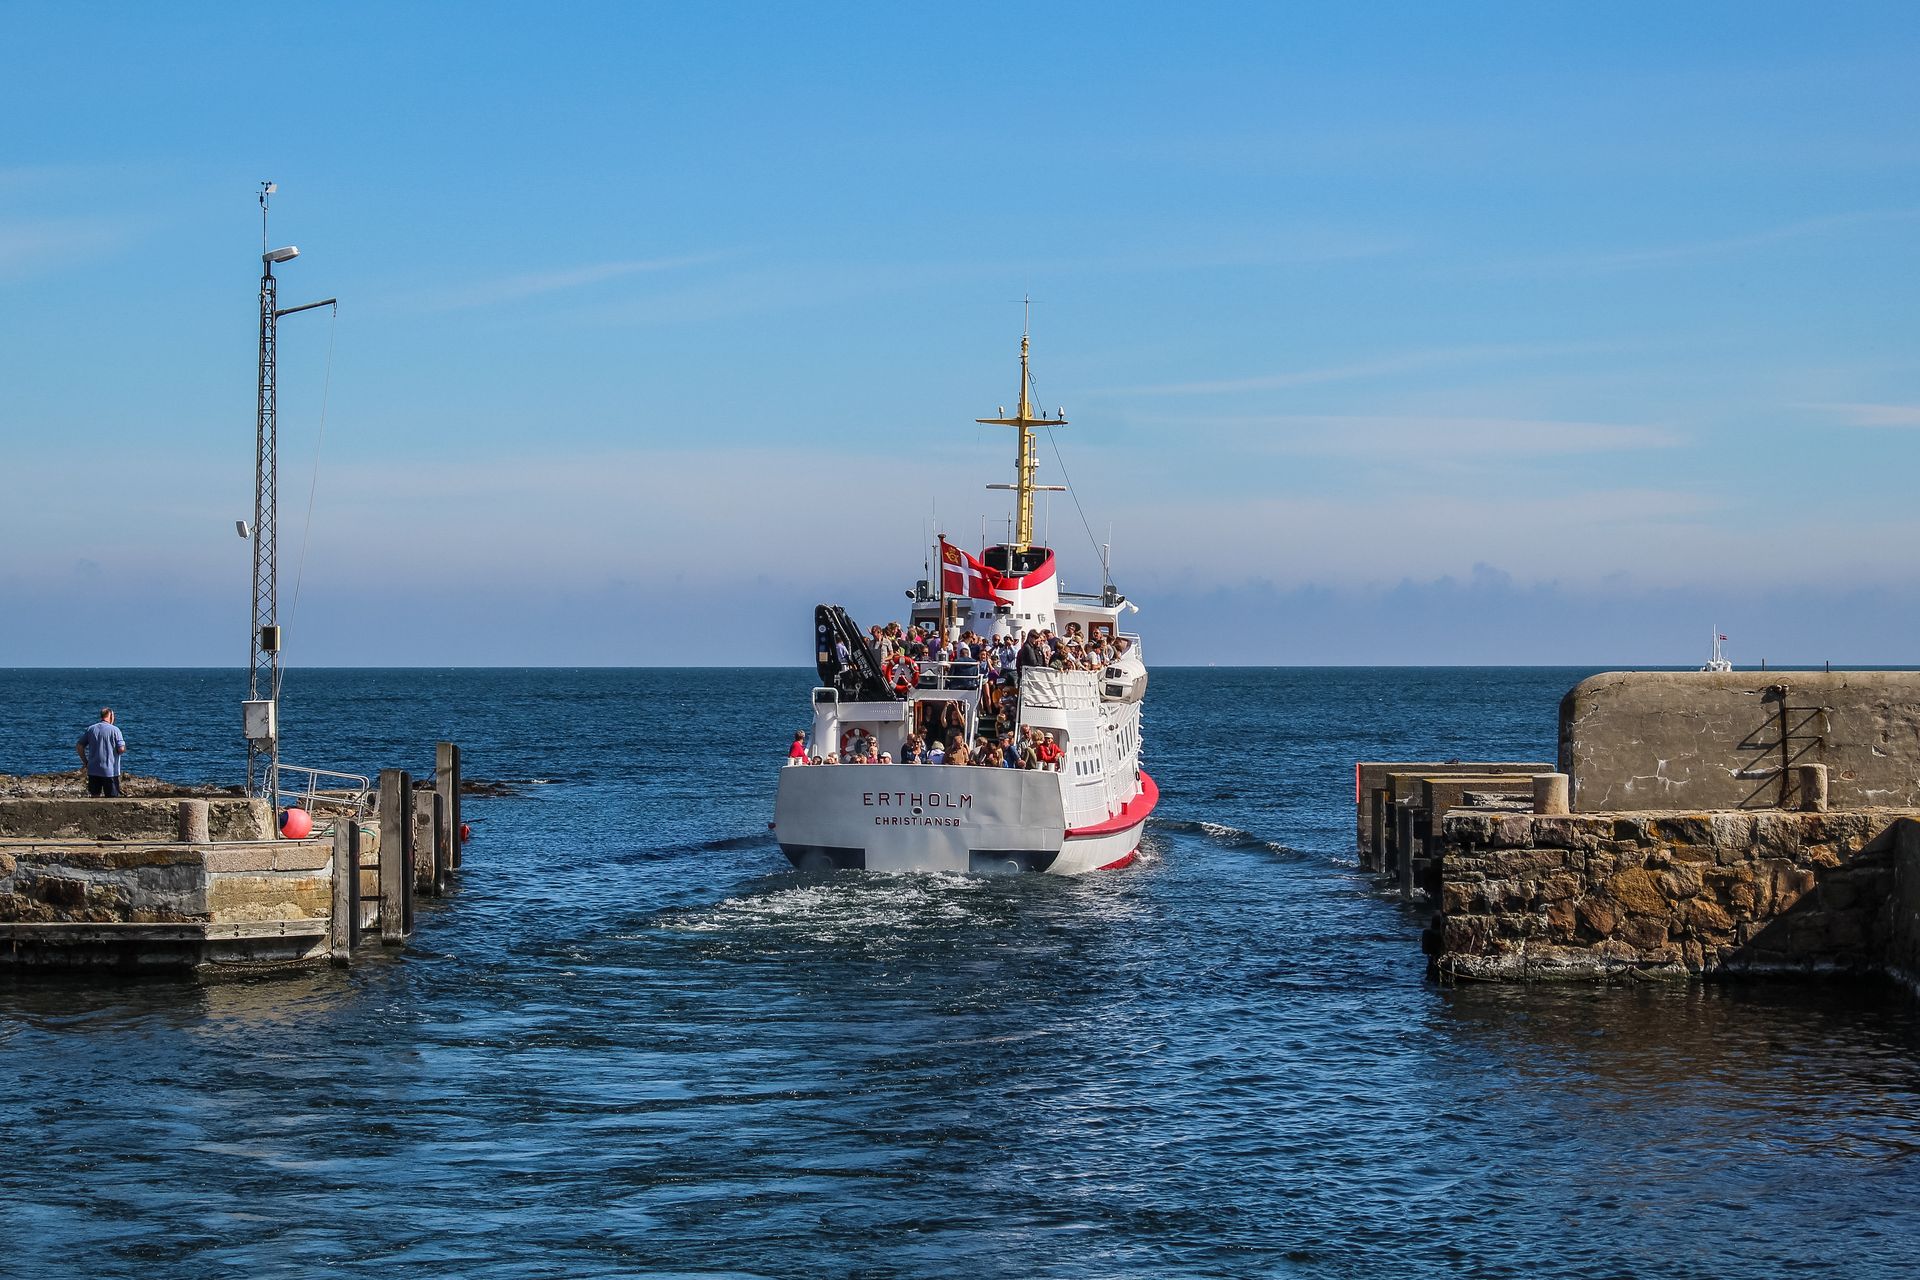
<point x="1118" y="863"/>
<point x="1131" y="814"/>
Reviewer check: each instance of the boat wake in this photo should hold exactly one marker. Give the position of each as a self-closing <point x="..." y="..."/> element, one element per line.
<point x="722" y="844"/>
<point x="1220" y="833"/>
<point x="847" y="907"/>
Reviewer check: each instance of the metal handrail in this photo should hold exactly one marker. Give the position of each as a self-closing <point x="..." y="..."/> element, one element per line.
<point x="951" y="674"/>
<point x="352" y="794"/>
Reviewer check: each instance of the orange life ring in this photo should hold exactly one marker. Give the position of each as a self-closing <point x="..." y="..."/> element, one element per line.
<point x="903" y="673"/>
<point x="850" y="739"/>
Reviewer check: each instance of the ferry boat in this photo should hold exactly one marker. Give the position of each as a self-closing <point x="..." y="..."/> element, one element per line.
<point x="1087" y="814"/>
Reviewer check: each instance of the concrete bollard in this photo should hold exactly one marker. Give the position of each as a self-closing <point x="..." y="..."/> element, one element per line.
<point x="1550" y="793"/>
<point x="1811" y="779"/>
<point x="195" y="826"/>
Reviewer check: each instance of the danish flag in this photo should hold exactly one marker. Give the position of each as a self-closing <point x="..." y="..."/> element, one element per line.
<point x="962" y="575"/>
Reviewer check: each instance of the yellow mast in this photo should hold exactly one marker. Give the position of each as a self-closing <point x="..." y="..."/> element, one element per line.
<point x="1027" y="461"/>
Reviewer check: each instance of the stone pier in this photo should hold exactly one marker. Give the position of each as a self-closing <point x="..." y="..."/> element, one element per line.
<point x="1532" y="896"/>
<point x="1700" y="824"/>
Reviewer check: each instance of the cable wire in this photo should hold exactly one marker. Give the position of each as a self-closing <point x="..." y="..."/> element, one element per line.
<point x="1072" y="492"/>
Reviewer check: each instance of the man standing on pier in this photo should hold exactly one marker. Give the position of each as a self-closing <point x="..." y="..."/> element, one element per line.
<point x="101" y="747"/>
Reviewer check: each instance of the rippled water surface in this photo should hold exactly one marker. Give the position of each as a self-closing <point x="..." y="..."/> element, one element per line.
<point x="635" y="1044"/>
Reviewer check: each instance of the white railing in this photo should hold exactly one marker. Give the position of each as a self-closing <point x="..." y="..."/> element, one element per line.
<point x="1046" y="688"/>
<point x="952" y="675"/>
<point x="324" y="790"/>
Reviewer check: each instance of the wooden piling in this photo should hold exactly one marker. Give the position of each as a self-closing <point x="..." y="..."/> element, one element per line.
<point x="425" y="837"/>
<point x="396" y="834"/>
<point x="344" y="929"/>
<point x="446" y="782"/>
<point x="1403" y="836"/>
<point x="443" y="838"/>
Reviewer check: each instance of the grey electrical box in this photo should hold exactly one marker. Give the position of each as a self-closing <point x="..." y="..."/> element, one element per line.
<point x="259" y="720"/>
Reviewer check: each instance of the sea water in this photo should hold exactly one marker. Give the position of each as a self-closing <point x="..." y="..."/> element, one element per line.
<point x="635" y="1043"/>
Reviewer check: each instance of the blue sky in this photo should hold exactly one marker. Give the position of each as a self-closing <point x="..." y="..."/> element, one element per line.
<point x="1422" y="333"/>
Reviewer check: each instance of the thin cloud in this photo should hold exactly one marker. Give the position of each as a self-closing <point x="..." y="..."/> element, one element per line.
<point x="1405" y="362"/>
<point x="1872" y="415"/>
<point x="1390" y="439"/>
<point x="533" y="284"/>
<point x="29" y="247"/>
<point x="1655" y="255"/>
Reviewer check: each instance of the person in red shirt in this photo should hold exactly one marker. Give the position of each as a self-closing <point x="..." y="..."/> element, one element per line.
<point x="797" y="753"/>
<point x="1050" y="754"/>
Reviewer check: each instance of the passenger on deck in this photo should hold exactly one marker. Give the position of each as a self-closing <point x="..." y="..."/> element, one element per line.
<point x="1006" y="658"/>
<point x="1028" y="757"/>
<point x="1050" y="753"/>
<point x="797" y="753"/>
<point x="1033" y="652"/>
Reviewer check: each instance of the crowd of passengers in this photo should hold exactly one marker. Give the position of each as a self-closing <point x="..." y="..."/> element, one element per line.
<point x="1000" y="657"/>
<point x="1028" y="748"/>
<point x="972" y="660"/>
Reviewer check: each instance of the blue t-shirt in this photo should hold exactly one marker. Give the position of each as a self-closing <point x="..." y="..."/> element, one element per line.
<point x="103" y="744"/>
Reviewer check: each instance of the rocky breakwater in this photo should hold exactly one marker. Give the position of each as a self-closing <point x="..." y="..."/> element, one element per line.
<point x="1610" y="895"/>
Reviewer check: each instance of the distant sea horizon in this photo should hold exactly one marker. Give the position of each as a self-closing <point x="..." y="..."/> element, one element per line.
<point x="1166" y="666"/>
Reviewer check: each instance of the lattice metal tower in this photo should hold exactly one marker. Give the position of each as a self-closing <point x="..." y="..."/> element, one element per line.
<point x="263" y="668"/>
<point x="263" y="672"/>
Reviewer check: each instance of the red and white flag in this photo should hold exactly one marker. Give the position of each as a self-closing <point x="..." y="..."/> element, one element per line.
<point x="962" y="575"/>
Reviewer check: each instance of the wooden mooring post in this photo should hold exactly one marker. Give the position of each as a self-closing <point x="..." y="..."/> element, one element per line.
<point x="344" y="930"/>
<point x="396" y="856"/>
<point x="444" y="837"/>
<point x="418" y="848"/>
<point x="446" y="782"/>
<point x="1404" y="838"/>
<point x="425" y="841"/>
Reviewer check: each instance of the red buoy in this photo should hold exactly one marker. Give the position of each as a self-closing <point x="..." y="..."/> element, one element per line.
<point x="296" y="824"/>
<point x="466" y="832"/>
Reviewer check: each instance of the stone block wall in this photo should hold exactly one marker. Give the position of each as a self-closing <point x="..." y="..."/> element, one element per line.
<point x="87" y="882"/>
<point x="1525" y="896"/>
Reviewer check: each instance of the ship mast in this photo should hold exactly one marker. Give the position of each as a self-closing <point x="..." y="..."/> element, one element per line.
<point x="1027" y="461"/>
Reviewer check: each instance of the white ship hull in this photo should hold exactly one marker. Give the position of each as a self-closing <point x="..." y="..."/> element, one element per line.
<point x="959" y="818"/>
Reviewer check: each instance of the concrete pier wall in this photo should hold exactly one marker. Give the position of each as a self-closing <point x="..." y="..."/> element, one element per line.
<point x="1692" y="741"/>
<point x="144" y="904"/>
<point x="78" y="817"/>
